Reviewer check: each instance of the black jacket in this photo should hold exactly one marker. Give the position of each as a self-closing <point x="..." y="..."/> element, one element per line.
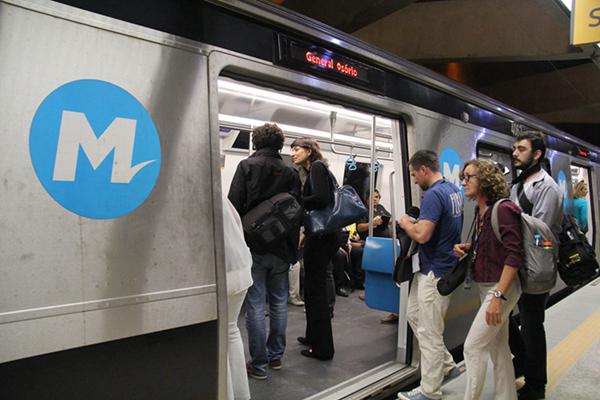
<point x="258" y="178"/>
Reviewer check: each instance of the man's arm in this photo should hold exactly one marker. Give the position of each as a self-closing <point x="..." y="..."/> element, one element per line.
<point x="419" y="231"/>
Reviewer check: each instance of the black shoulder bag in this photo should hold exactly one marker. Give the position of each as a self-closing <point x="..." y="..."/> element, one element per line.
<point x="453" y="279"/>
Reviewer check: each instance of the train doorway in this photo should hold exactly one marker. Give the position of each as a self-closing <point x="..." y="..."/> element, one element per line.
<point x="583" y="200"/>
<point x="364" y="345"/>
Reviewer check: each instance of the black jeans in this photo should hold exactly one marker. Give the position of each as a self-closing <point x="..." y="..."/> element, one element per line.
<point x="528" y="345"/>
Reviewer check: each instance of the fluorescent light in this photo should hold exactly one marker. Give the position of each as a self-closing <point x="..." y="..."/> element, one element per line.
<point x="242" y="90"/>
<point x="252" y="123"/>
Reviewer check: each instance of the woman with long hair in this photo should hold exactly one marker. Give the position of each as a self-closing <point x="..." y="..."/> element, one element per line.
<point x="495" y="268"/>
<point x="318" y="250"/>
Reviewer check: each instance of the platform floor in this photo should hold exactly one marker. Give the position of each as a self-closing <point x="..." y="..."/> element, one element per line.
<point x="361" y="344"/>
<point x="573" y="337"/>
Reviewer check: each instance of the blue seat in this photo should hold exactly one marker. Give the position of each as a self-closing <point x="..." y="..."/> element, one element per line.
<point x="381" y="292"/>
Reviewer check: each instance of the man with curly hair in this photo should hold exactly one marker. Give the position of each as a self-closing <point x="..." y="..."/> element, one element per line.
<point x="437" y="230"/>
<point x="539" y="196"/>
<point x="258" y="178"/>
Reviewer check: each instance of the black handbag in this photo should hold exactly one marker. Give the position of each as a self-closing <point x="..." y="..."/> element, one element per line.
<point x="453" y="279"/>
<point x="403" y="269"/>
<point x="344" y="208"/>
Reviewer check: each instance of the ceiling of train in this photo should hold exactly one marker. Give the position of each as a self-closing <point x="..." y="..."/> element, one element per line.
<point x="514" y="51"/>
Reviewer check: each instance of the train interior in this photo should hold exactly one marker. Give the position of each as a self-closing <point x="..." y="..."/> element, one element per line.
<point x="362" y="342"/>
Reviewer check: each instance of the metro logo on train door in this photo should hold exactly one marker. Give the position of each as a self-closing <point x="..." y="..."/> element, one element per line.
<point x="95" y="149"/>
<point x="451" y="165"/>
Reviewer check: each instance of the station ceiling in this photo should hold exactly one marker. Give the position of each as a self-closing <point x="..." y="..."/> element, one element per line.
<point x="514" y="51"/>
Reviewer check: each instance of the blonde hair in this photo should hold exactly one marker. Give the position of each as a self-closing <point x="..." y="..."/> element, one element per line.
<point x="578" y="189"/>
<point x="492" y="185"/>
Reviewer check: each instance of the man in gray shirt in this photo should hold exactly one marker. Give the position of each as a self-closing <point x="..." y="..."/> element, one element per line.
<point x="539" y="196"/>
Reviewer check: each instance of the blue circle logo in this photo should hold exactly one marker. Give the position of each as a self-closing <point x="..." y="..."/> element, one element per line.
<point x="451" y="165"/>
<point x="95" y="149"/>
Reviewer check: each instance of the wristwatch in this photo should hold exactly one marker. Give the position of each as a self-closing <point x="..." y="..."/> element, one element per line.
<point x="498" y="294"/>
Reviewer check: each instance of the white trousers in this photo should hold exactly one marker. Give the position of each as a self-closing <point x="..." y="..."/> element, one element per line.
<point x="426" y="310"/>
<point x="491" y="341"/>
<point x="294" y="281"/>
<point x="237" y="378"/>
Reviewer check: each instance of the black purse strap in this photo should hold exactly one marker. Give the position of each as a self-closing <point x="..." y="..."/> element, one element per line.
<point x="524" y="202"/>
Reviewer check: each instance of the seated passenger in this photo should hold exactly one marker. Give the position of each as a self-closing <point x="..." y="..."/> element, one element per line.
<point x="496" y="274"/>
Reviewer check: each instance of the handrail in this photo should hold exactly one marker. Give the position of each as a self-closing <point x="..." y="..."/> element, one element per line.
<point x="393" y="210"/>
<point x="371" y="178"/>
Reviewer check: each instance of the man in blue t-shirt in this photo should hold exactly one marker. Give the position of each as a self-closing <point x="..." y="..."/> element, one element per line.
<point x="437" y="230"/>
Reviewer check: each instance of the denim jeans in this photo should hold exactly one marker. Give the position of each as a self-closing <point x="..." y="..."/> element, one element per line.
<point x="270" y="276"/>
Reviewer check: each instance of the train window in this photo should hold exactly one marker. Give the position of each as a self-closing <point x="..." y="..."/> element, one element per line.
<point x="498" y="155"/>
<point x="583" y="200"/>
<point x="357" y="176"/>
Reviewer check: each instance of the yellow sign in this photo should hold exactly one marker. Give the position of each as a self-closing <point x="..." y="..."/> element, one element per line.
<point x="585" y="22"/>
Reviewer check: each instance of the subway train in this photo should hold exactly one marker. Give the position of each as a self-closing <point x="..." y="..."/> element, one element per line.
<point x="122" y="124"/>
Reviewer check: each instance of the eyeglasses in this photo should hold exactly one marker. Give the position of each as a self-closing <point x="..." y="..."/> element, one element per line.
<point x="467" y="177"/>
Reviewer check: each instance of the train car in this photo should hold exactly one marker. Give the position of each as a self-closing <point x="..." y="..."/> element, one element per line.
<point x="124" y="123"/>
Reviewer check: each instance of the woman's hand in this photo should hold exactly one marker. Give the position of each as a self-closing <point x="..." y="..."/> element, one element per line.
<point x="301" y="242"/>
<point x="493" y="314"/>
<point x="377" y="221"/>
<point x="461" y="249"/>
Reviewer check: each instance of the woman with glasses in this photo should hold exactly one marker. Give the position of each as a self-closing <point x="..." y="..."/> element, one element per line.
<point x="495" y="267"/>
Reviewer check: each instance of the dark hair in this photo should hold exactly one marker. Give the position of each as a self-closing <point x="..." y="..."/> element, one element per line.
<point x="268" y="135"/>
<point x="492" y="185"/>
<point x="374" y="191"/>
<point x="425" y="158"/>
<point x="535" y="138"/>
<point x="312" y="145"/>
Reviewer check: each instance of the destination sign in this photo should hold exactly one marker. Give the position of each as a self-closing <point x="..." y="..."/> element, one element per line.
<point x="324" y="62"/>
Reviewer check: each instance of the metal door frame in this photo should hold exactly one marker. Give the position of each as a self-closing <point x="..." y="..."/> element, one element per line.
<point x="272" y="76"/>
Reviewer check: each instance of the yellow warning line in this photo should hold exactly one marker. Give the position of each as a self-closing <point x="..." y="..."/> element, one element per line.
<point x="570" y="349"/>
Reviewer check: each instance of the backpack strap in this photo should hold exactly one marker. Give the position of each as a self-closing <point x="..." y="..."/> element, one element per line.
<point x="524" y="202"/>
<point x="495" y="225"/>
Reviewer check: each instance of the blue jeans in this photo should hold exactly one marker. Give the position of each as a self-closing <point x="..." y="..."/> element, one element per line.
<point x="270" y="276"/>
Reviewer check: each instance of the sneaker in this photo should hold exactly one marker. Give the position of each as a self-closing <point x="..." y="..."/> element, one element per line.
<point x="361" y="296"/>
<point x="275" y="364"/>
<point x="296" y="301"/>
<point x="414" y="394"/>
<point x="454" y="373"/>
<point x="253" y="373"/>
<point x="390" y="319"/>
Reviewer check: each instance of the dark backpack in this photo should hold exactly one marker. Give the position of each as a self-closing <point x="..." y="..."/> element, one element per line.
<point x="271" y="221"/>
<point x="577" y="259"/>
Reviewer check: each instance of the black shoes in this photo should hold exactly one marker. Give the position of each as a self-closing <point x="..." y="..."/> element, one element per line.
<point x="342" y="291"/>
<point x="303" y="341"/>
<point x="310" y="354"/>
<point x="529" y="393"/>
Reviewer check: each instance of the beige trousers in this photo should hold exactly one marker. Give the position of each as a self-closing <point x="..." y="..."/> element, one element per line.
<point x="426" y="310"/>
<point x="485" y="341"/>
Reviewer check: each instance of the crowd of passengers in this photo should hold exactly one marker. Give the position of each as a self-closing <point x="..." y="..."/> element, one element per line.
<point x="332" y="264"/>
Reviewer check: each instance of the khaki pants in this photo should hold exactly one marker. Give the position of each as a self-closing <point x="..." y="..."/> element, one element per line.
<point x="426" y="310"/>
<point x="485" y="341"/>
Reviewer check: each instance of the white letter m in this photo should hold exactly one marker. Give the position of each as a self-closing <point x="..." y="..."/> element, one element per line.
<point x="452" y="176"/>
<point x="75" y="131"/>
